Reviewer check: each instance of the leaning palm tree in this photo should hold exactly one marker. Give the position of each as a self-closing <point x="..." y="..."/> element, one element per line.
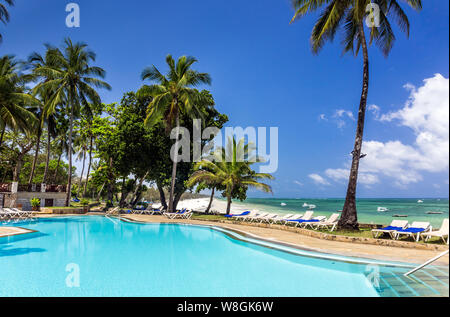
<point x="14" y="98"/>
<point x="172" y="95"/>
<point x="4" y="14"/>
<point x="231" y="168"/>
<point x="73" y="81"/>
<point x="349" y="17"/>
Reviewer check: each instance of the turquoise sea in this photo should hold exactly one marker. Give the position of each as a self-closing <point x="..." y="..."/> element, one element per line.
<point x="367" y="208"/>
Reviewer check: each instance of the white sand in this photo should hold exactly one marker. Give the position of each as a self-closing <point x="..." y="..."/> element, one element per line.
<point x="218" y="206"/>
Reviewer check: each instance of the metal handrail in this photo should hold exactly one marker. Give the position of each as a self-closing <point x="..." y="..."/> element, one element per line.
<point x="426" y="263"/>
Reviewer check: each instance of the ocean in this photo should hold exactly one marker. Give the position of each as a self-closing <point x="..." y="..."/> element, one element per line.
<point x="367" y="208"/>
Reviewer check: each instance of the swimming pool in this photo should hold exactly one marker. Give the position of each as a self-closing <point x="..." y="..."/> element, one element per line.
<point x="99" y="256"/>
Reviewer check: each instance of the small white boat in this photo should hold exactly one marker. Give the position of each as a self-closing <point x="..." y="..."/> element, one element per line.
<point x="420" y="201"/>
<point x="305" y="205"/>
<point x="283" y="204"/>
<point x="312" y="206"/>
<point x="382" y="209"/>
<point x="434" y="212"/>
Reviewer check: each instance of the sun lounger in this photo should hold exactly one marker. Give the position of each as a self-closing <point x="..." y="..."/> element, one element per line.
<point x="258" y="216"/>
<point x="394" y="226"/>
<point x="245" y="213"/>
<point x="441" y="233"/>
<point x="281" y="218"/>
<point x="268" y="218"/>
<point x="178" y="214"/>
<point x="330" y="222"/>
<point x="416" y="228"/>
<point x="294" y="217"/>
<point x="311" y="222"/>
<point x="307" y="216"/>
<point x="244" y="216"/>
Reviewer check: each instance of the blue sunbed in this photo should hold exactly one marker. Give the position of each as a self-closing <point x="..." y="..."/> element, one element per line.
<point x="245" y="213"/>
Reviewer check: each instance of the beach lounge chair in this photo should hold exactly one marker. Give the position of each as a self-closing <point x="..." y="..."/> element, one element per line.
<point x="307" y="216"/>
<point x="394" y="226"/>
<point x="258" y="216"/>
<point x="244" y="217"/>
<point x="441" y="233"/>
<point x="330" y="222"/>
<point x="311" y="222"/>
<point x="281" y="218"/>
<point x="178" y="214"/>
<point x="294" y="217"/>
<point x="244" y="213"/>
<point x="268" y="218"/>
<point x="416" y="228"/>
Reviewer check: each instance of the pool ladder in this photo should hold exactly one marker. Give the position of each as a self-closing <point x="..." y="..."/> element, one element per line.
<point x="426" y="263"/>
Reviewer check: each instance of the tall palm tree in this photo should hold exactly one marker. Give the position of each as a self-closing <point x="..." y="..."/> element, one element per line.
<point x="4" y="14"/>
<point x="349" y="16"/>
<point x="73" y="80"/>
<point x="14" y="98"/>
<point x="231" y="168"/>
<point x="172" y="95"/>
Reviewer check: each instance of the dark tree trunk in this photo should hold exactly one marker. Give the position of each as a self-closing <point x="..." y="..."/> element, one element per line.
<point x="174" y="169"/>
<point x="177" y="198"/>
<point x="162" y="196"/>
<point x="47" y="160"/>
<point x="110" y="196"/>
<point x="89" y="167"/>
<point x="57" y="168"/>
<point x="210" y="201"/>
<point x="69" y="177"/>
<point x="99" y="194"/>
<point x="137" y="191"/>
<point x="349" y="218"/>
<point x="228" y="203"/>
<point x="80" y="183"/>
<point x="36" y="154"/>
<point x="1" y="137"/>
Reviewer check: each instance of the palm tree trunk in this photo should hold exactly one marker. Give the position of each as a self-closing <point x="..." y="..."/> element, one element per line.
<point x="137" y="190"/>
<point x="174" y="168"/>
<point x="47" y="160"/>
<point x="349" y="218"/>
<point x="1" y="137"/>
<point x="55" y="175"/>
<point x="89" y="167"/>
<point x="36" y="154"/>
<point x="210" y="201"/>
<point x="162" y="196"/>
<point x="228" y="203"/>
<point x="82" y="172"/>
<point x="69" y="177"/>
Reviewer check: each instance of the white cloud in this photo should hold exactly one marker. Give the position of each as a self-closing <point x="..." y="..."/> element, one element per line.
<point x="323" y="117"/>
<point x="298" y="183"/>
<point x="344" y="113"/>
<point x="318" y="179"/>
<point x="426" y="114"/>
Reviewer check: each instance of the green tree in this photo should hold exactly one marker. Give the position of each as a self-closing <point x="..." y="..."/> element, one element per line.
<point x="14" y="98"/>
<point x="231" y="168"/>
<point x="349" y="16"/>
<point x="173" y="95"/>
<point x="4" y="14"/>
<point x="73" y="81"/>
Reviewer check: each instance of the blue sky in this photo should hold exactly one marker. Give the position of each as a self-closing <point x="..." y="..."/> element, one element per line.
<point x="264" y="74"/>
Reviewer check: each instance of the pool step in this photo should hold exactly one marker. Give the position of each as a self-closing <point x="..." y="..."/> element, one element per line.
<point x="427" y="282"/>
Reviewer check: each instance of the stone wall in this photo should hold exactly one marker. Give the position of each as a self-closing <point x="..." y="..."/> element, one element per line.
<point x="15" y="200"/>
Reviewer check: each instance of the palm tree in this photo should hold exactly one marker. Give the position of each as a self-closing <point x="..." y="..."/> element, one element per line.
<point x="13" y="98"/>
<point x="72" y="79"/>
<point x="349" y="16"/>
<point x="231" y="168"/>
<point x="4" y="14"/>
<point x="172" y="95"/>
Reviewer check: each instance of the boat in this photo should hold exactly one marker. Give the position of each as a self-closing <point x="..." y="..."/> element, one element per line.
<point x="312" y="206"/>
<point x="434" y="212"/>
<point x="403" y="216"/>
<point x="420" y="201"/>
<point x="339" y="211"/>
<point x="305" y="205"/>
<point x="382" y="209"/>
<point x="283" y="204"/>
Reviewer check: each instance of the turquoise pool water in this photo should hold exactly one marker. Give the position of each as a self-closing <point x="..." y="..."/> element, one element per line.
<point x="99" y="256"/>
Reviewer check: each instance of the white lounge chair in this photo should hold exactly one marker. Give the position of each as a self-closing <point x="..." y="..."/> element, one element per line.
<point x="268" y="218"/>
<point x="330" y="222"/>
<point x="312" y="222"/>
<point x="307" y="216"/>
<point x="441" y="233"/>
<point x="247" y="216"/>
<point x="416" y="228"/>
<point x="258" y="216"/>
<point x="281" y="218"/>
<point x="293" y="217"/>
<point x="394" y="226"/>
